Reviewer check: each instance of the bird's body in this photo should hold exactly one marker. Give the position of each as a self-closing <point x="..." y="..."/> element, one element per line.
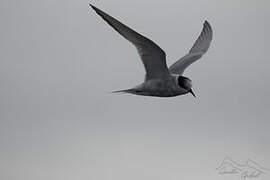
<point x="167" y="87"/>
<point x="160" y="80"/>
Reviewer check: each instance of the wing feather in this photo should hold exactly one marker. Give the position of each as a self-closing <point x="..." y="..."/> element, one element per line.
<point x="199" y="48"/>
<point x="153" y="57"/>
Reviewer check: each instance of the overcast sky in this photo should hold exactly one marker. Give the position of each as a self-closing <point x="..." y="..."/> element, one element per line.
<point x="59" y="60"/>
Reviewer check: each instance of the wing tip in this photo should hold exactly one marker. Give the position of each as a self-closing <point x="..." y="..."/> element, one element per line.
<point x="206" y="23"/>
<point x="99" y="12"/>
<point x="208" y="29"/>
<point x="93" y="7"/>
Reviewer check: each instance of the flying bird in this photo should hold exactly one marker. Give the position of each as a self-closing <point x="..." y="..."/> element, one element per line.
<point x="160" y="80"/>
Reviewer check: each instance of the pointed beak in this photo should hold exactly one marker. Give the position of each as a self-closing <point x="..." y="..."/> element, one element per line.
<point x="191" y="91"/>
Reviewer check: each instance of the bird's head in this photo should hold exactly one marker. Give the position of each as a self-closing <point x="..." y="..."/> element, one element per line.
<point x="186" y="84"/>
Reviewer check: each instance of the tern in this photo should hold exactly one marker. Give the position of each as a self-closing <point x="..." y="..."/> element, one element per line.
<point x="160" y="80"/>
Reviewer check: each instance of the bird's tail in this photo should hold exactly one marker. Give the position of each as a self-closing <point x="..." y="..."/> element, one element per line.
<point x="132" y="91"/>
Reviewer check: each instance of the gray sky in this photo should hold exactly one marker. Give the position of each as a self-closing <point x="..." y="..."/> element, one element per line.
<point x="59" y="60"/>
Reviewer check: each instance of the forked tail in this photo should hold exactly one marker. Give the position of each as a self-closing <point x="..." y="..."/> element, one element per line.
<point x="132" y="91"/>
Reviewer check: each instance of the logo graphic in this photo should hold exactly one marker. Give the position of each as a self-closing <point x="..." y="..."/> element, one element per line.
<point x="250" y="169"/>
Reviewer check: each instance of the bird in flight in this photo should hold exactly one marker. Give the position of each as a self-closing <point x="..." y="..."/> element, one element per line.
<point x="160" y="80"/>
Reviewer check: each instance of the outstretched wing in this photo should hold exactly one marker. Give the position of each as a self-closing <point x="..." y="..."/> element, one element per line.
<point x="153" y="57"/>
<point x="198" y="49"/>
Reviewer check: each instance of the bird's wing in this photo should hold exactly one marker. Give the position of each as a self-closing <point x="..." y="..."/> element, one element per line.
<point x="153" y="57"/>
<point x="200" y="47"/>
